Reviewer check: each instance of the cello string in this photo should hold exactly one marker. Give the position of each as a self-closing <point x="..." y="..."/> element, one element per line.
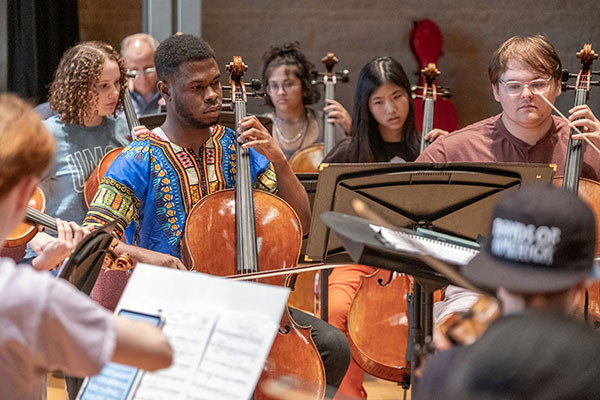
<point x="584" y="137"/>
<point x="41" y="218"/>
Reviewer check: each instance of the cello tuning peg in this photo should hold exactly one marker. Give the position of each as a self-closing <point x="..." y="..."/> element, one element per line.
<point x="345" y="76"/>
<point x="256" y="84"/>
<point x="445" y="93"/>
<point x="566" y="75"/>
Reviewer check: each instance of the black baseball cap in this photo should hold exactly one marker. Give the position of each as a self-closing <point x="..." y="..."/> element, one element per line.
<point x="542" y="239"/>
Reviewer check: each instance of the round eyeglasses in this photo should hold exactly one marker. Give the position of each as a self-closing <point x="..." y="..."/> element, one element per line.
<point x="132" y="73"/>
<point x="515" y="88"/>
<point x="286" y="86"/>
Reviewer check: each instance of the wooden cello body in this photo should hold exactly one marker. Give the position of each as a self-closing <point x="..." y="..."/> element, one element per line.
<point x="15" y="245"/>
<point x="378" y="325"/>
<point x="236" y="231"/>
<point x="35" y="216"/>
<point x="587" y="189"/>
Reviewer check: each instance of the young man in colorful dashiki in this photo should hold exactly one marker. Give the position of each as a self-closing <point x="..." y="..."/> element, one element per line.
<point x="152" y="186"/>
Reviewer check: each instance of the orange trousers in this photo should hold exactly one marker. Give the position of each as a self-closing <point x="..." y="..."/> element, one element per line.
<point x="343" y="284"/>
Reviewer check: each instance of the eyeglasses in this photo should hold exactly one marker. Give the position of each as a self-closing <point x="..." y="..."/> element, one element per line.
<point x="132" y="73"/>
<point x="515" y="88"/>
<point x="273" y="88"/>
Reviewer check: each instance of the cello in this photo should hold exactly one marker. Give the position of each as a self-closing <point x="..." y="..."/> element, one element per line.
<point x="253" y="230"/>
<point x="587" y="189"/>
<point x="309" y="158"/>
<point x="429" y="95"/>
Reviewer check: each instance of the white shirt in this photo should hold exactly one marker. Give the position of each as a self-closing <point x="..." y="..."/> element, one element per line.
<point x="46" y="324"/>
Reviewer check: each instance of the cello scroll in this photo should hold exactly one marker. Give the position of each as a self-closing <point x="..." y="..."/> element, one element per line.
<point x="429" y="93"/>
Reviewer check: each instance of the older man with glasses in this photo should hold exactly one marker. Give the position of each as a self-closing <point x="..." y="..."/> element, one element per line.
<point x="138" y="54"/>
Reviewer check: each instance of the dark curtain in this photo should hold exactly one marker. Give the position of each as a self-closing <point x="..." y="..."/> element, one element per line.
<point x="39" y="31"/>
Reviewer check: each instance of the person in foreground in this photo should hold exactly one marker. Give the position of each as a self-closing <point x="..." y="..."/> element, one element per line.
<point x="531" y="356"/>
<point x="540" y="256"/>
<point x="45" y="323"/>
<point x="154" y="183"/>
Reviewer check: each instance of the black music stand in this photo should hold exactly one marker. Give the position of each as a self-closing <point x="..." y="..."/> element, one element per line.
<point x="227" y="118"/>
<point x="84" y="265"/>
<point x="455" y="199"/>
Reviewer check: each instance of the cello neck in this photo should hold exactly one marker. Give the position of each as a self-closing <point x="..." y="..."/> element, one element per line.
<point x="39" y="218"/>
<point x="130" y="115"/>
<point x="582" y="89"/>
<point x="329" y="133"/>
<point x="429" y="95"/>
<point x="574" y="151"/>
<point x="246" y="248"/>
<point x="329" y="81"/>
<point x="428" y="105"/>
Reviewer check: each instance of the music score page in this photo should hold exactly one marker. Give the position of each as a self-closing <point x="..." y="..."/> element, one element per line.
<point x="221" y="331"/>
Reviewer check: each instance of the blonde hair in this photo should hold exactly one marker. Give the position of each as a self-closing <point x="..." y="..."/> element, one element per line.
<point x="27" y="146"/>
<point x="535" y="51"/>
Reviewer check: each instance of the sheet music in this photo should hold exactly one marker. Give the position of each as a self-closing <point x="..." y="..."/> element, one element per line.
<point x="221" y="331"/>
<point x="236" y="350"/>
<point x="189" y="332"/>
<point x="444" y="251"/>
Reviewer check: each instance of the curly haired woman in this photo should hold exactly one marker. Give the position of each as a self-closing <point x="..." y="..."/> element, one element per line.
<point x="87" y="90"/>
<point x="287" y="78"/>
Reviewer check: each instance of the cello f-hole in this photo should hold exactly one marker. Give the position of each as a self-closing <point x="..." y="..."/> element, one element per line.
<point x="381" y="283"/>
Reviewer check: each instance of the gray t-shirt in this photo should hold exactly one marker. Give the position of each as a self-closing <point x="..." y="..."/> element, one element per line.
<point x="79" y="149"/>
<point x="47" y="325"/>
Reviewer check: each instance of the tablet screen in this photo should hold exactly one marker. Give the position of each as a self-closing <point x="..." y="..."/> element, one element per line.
<point x="115" y="381"/>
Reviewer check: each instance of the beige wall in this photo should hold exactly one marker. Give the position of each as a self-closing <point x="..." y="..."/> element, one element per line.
<point x="109" y="20"/>
<point x="358" y="31"/>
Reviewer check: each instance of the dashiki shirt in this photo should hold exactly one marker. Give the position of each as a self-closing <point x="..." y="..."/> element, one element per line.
<point x="153" y="184"/>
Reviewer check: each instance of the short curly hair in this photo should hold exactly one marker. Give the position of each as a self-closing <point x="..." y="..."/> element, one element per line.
<point x="72" y="93"/>
<point x="177" y="50"/>
<point x="289" y="54"/>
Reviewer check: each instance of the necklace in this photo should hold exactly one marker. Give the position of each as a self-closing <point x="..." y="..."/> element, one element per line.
<point x="285" y="140"/>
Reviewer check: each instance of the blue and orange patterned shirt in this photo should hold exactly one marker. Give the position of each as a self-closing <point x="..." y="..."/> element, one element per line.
<point x="153" y="184"/>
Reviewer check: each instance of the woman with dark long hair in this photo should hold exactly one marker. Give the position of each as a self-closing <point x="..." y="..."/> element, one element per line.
<point x="383" y="121"/>
<point x="383" y="129"/>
